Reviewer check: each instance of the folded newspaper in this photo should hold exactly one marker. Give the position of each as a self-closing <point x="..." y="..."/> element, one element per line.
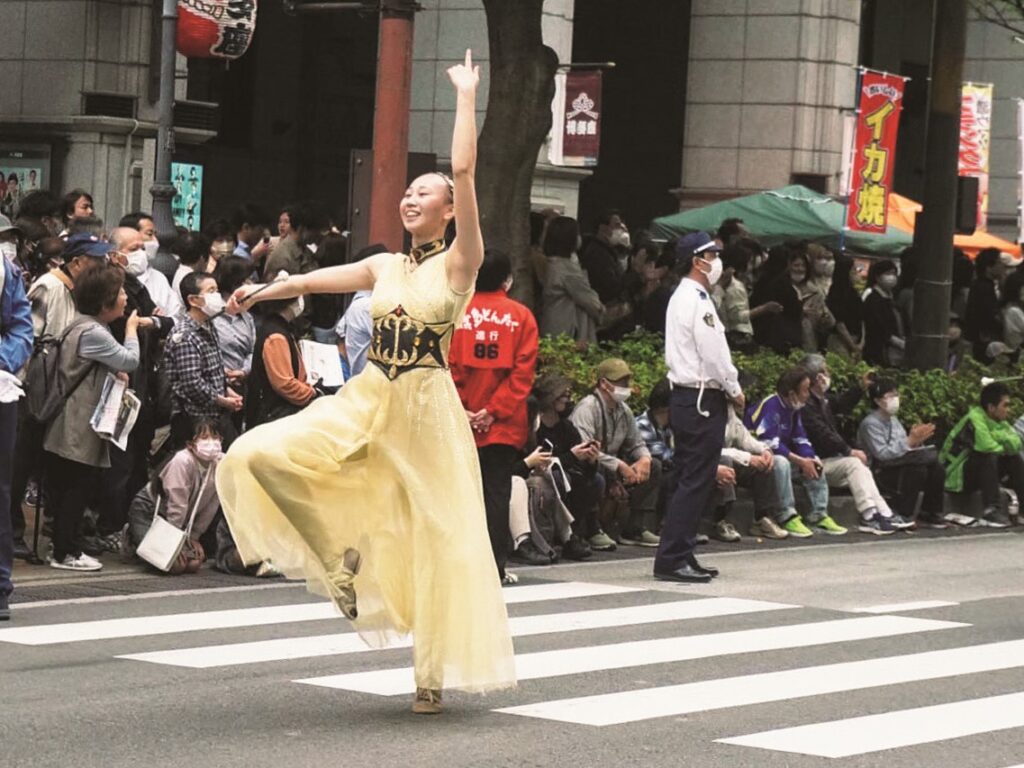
<point x="322" y="361"/>
<point x="116" y="412"/>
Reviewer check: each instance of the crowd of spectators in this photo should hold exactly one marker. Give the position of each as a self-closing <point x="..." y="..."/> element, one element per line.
<point x="559" y="480"/>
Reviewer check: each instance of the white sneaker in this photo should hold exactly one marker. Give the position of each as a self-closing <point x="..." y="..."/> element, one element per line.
<point x="79" y="562"/>
<point x="510" y="578"/>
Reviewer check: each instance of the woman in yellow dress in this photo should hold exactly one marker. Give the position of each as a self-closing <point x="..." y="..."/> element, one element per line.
<point x="377" y="490"/>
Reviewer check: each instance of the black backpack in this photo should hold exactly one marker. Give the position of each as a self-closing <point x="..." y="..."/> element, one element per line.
<point x="45" y="389"/>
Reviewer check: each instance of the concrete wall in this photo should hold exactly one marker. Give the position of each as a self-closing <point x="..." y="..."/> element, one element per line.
<point x="767" y="80"/>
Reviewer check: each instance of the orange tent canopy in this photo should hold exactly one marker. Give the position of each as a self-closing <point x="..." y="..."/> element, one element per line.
<point x="903" y="211"/>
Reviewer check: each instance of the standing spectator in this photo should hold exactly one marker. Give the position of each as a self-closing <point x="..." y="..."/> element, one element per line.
<point x="982" y="321"/>
<point x="44" y="208"/>
<point x="77" y="205"/>
<point x="287" y="254"/>
<point x="823" y="267"/>
<point x="982" y="451"/>
<point x="493" y="357"/>
<point x="902" y="462"/>
<point x="220" y="237"/>
<point x="193" y="252"/>
<point x="251" y="226"/>
<point x="963" y="275"/>
<point x="327" y="308"/>
<point x="843" y="301"/>
<point x="776" y="421"/>
<point x="884" y="336"/>
<point x="1013" y="311"/>
<point x="570" y="305"/>
<point x="631" y="475"/>
<point x="600" y="256"/>
<point x="236" y="334"/>
<point x="356" y="326"/>
<point x="843" y="465"/>
<point x="75" y="453"/>
<point x="195" y="367"/>
<point x="130" y="252"/>
<point x="816" y="320"/>
<point x="731" y="231"/>
<point x="284" y="224"/>
<point x="15" y="348"/>
<point x="904" y="294"/>
<point x="782" y="331"/>
<point x="703" y="379"/>
<point x="731" y="298"/>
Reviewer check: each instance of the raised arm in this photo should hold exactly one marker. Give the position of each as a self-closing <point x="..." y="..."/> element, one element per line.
<point x="467" y="251"/>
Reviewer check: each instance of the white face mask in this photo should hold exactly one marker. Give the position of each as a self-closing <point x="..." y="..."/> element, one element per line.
<point x="138" y="262"/>
<point x="825" y="267"/>
<point x="208" y="449"/>
<point x="621" y="394"/>
<point x="620" y="237"/>
<point x="716" y="270"/>
<point x="891" y="405"/>
<point x="9" y="251"/>
<point x="151" y="247"/>
<point x="213" y="304"/>
<point x="826" y="382"/>
<point x="887" y="282"/>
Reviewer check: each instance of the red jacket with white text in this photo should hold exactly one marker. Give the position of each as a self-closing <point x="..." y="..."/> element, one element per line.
<point x="492" y="358"/>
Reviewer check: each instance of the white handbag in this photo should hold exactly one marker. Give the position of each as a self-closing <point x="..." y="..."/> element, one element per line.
<point x="163" y="541"/>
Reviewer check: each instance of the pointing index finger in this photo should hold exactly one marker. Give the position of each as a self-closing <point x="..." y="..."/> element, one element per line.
<point x="469" y="58"/>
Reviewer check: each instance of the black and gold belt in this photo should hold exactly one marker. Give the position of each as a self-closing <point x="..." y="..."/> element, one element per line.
<point x="402" y="343"/>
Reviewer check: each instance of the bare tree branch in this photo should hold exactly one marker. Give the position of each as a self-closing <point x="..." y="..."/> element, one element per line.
<point x="1008" y="14"/>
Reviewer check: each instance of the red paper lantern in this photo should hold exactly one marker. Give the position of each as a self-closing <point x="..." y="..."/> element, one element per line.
<point x="215" y="29"/>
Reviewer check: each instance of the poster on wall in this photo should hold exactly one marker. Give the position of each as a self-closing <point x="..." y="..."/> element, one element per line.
<point x="23" y="169"/>
<point x="576" y="119"/>
<point x="976" y="140"/>
<point x="874" y="157"/>
<point x="187" y="207"/>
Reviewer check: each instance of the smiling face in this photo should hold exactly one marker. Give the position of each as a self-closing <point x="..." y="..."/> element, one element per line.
<point x="426" y="208"/>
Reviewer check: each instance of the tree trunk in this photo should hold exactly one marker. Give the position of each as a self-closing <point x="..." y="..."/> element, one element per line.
<point x="934" y="230"/>
<point x="522" y="84"/>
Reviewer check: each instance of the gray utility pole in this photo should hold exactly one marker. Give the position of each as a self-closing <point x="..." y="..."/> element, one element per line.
<point x="933" y="234"/>
<point x="162" y="190"/>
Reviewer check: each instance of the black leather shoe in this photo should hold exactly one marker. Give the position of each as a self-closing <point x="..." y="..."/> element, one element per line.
<point x="685" y="573"/>
<point x="528" y="554"/>
<point x="710" y="570"/>
<point x="21" y="550"/>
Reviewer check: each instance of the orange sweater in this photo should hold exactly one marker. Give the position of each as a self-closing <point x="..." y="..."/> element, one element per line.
<point x="277" y="360"/>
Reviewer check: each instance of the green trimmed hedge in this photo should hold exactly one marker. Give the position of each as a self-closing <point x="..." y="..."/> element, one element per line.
<point x="926" y="396"/>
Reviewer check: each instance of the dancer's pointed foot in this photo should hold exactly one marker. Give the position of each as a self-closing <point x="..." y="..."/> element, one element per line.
<point x="343" y="579"/>
<point x="427" y="702"/>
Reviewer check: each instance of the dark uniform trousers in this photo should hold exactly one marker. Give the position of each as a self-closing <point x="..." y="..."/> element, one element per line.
<point x="699" y="441"/>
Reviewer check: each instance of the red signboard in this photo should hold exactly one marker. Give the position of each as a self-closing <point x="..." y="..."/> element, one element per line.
<point x="576" y="139"/>
<point x="215" y="29"/>
<point x="878" y="119"/>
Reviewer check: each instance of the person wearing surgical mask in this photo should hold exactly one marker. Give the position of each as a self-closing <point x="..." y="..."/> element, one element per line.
<point x="277" y="384"/>
<point x="633" y="477"/>
<point x="194" y="365"/>
<point x="884" y="334"/>
<point x="905" y="466"/>
<point x="130" y="253"/>
<point x="599" y="256"/>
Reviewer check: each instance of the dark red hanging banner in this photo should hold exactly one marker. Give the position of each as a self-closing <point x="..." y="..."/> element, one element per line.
<point x="576" y="124"/>
<point x="215" y="29"/>
<point x="878" y="120"/>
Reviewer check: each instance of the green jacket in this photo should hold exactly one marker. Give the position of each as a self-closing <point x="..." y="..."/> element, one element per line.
<point x="978" y="433"/>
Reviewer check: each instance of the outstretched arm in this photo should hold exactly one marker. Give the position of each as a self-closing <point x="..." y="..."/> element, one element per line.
<point x="467" y="251"/>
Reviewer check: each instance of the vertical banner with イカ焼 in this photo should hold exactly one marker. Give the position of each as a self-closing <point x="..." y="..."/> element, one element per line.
<point x="878" y="120"/>
<point x="976" y="140"/>
<point x="576" y="119"/>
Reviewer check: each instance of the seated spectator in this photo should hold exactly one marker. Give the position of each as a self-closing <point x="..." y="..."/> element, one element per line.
<point x="845" y="305"/>
<point x="493" y="357"/>
<point x="195" y="367"/>
<point x="569" y="305"/>
<point x="781" y="331"/>
<point x="74" y="452"/>
<point x="902" y="462"/>
<point x="1013" y="312"/>
<point x="884" y="334"/>
<point x="982" y="320"/>
<point x="130" y="252"/>
<point x="278" y="385"/>
<point x="193" y="252"/>
<point x="748" y="463"/>
<point x="583" y="486"/>
<point x="630" y="472"/>
<point x="184" y="488"/>
<point x="843" y="465"/>
<point x="236" y="334"/>
<point x="730" y="295"/>
<point x="776" y="421"/>
<point x="982" y="451"/>
<point x="355" y="329"/>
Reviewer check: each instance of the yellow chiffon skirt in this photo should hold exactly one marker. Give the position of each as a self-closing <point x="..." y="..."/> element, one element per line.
<point x="390" y="468"/>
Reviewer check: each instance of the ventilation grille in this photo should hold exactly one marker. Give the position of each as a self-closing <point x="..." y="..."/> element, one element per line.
<point x="197" y="115"/>
<point x="109" y="105"/>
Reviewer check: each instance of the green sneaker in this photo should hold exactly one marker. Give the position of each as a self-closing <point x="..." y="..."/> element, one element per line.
<point x="796" y="528"/>
<point x="829" y="526"/>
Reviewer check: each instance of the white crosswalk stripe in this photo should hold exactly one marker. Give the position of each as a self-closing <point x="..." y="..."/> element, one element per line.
<point x="521" y="626"/>
<point x="889" y="730"/>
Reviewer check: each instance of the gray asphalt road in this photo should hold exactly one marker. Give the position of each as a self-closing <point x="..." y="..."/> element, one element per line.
<point x="776" y="664"/>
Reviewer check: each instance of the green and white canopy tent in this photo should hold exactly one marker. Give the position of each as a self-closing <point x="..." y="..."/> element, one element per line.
<point x="788" y="213"/>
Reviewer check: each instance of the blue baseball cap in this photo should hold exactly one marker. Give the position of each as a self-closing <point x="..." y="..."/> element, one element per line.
<point x="695" y="243"/>
<point x="84" y="244"/>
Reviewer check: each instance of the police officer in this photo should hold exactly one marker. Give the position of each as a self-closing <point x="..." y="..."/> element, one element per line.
<point x="703" y="379"/>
